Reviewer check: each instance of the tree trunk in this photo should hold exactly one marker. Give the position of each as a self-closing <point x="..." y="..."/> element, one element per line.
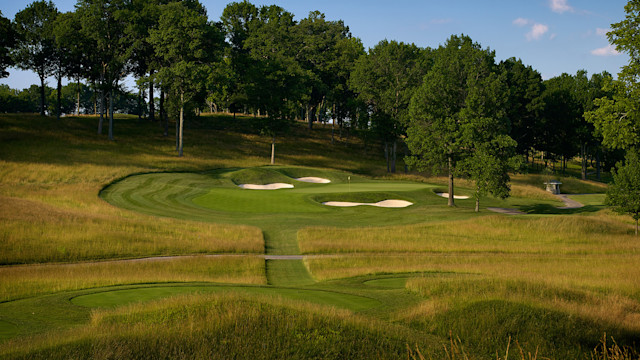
<point x="102" y="105"/>
<point x="309" y="117"/>
<point x="583" y="154"/>
<point x="386" y="154"/>
<point x="140" y="103"/>
<point x="598" y="169"/>
<point x="181" y="129"/>
<point x="477" y="201"/>
<point x="450" y="169"/>
<point x="273" y="150"/>
<point x="95" y="98"/>
<point x="152" y="105"/>
<point x="393" y="157"/>
<point x="77" y="96"/>
<point x="163" y="114"/>
<point x="111" y="114"/>
<point x="42" y="96"/>
<point x="178" y="135"/>
<point x="59" y="97"/>
<point x="332" y="131"/>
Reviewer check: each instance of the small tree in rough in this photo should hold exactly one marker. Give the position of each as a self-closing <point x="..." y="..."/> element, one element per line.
<point x="624" y="194"/>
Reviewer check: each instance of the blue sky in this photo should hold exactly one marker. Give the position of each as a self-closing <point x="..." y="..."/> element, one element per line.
<point x="553" y="36"/>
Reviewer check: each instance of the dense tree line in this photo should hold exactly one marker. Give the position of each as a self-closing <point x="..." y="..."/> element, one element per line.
<point x="445" y="109"/>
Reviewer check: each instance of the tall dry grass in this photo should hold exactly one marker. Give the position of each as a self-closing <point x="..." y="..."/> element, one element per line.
<point x="30" y="280"/>
<point x="443" y="293"/>
<point x="614" y="273"/>
<point x="33" y="232"/>
<point x="496" y="234"/>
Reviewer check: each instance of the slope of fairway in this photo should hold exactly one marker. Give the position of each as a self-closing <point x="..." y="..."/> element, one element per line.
<point x="122" y="297"/>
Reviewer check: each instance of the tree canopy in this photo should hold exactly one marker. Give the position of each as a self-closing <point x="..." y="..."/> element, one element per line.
<point x="457" y="117"/>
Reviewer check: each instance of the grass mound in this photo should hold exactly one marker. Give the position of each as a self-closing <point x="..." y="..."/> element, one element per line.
<point x="485" y="326"/>
<point x="220" y="327"/>
<point x="555" y="321"/>
<point x="258" y="176"/>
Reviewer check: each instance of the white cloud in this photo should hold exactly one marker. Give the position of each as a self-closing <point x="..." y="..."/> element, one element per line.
<point x="602" y="32"/>
<point x="560" y="6"/>
<point x="537" y="30"/>
<point x="608" y="50"/>
<point x="521" y="21"/>
<point x="552" y="36"/>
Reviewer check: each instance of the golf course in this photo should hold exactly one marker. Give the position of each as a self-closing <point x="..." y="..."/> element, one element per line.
<point x="121" y="250"/>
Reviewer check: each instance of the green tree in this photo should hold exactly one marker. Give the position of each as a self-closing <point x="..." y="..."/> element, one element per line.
<point x="318" y="55"/>
<point x="143" y="16"/>
<point x="457" y="118"/>
<point x="525" y="104"/>
<point x="277" y="78"/>
<point x="7" y="43"/>
<point x="624" y="194"/>
<point x="386" y="79"/>
<point x="561" y="119"/>
<point x="188" y="43"/>
<point x="617" y="117"/>
<point x="103" y="24"/>
<point x="73" y="49"/>
<point x="237" y="19"/>
<point x="36" y="49"/>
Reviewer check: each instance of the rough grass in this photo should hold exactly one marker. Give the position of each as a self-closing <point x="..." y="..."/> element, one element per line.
<point x="51" y="172"/>
<point x="615" y="311"/>
<point x="30" y="280"/>
<point x="35" y="232"/>
<point x="495" y="234"/>
<point x="614" y="273"/>
<point x="569" y="185"/>
<point x="220" y="326"/>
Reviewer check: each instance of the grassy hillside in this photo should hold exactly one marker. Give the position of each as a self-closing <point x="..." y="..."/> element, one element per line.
<point x="122" y="250"/>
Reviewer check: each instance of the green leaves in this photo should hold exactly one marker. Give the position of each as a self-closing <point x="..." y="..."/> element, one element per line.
<point x="624" y="194"/>
<point x="186" y="43"/>
<point x="7" y="42"/>
<point x="457" y="118"/>
<point x="386" y="79"/>
<point x="617" y="119"/>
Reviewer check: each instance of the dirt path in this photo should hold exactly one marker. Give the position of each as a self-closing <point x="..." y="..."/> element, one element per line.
<point x="506" y="211"/>
<point x="569" y="203"/>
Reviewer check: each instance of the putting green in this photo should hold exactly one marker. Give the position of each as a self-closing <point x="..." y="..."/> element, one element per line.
<point x="122" y="297"/>
<point x="215" y="196"/>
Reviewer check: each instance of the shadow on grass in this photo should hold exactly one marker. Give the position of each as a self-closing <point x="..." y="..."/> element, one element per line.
<point x="547" y="209"/>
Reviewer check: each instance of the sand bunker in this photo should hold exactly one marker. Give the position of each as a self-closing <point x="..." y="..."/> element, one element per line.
<point x="315" y="180"/>
<point x="383" y="203"/>
<point x="274" y="186"/>
<point x="446" y="195"/>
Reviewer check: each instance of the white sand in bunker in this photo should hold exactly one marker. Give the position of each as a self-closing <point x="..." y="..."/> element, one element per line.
<point x="274" y="186"/>
<point x="315" y="180"/>
<point x="383" y="203"/>
<point x="446" y="195"/>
